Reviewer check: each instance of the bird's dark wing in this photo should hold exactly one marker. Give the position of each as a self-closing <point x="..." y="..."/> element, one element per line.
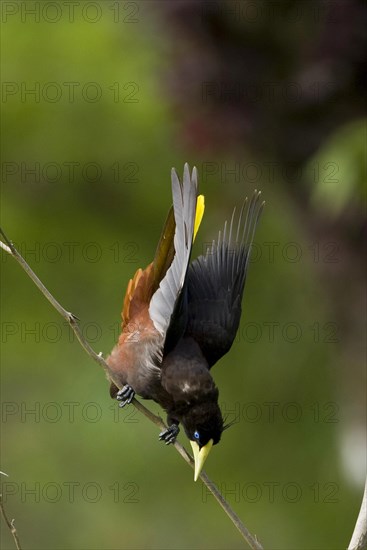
<point x="216" y="282"/>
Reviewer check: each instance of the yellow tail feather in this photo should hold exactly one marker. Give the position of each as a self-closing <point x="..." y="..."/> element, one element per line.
<point x="200" y="207"/>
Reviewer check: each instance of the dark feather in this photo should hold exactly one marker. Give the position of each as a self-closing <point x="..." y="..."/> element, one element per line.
<point x="216" y="283"/>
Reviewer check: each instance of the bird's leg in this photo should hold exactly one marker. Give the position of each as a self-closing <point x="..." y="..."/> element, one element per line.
<point x="125" y="395"/>
<point x="169" y="435"/>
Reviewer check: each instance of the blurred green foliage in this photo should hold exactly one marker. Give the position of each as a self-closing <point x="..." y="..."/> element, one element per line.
<point x="344" y="154"/>
<point x="282" y="473"/>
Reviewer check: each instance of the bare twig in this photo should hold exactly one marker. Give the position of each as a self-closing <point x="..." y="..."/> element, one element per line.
<point x="359" y="537"/>
<point x="249" y="538"/>
<point x="73" y="322"/>
<point x="9" y="523"/>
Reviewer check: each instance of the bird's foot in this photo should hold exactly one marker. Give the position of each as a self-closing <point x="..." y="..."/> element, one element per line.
<point x="169" y="435"/>
<point x="125" y="395"/>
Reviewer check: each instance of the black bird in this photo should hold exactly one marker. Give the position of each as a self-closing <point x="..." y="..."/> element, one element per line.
<point x="178" y="318"/>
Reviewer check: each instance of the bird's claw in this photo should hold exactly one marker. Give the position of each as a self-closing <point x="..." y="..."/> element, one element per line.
<point x="125" y="395"/>
<point x="169" y="435"/>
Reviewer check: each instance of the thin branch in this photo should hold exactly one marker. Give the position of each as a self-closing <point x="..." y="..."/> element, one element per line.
<point x="359" y="537"/>
<point x="67" y="315"/>
<point x="10" y="524"/>
<point x="249" y="538"/>
<point x="73" y="322"/>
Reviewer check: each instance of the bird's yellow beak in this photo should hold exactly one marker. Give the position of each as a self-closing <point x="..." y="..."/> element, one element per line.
<point x="200" y="456"/>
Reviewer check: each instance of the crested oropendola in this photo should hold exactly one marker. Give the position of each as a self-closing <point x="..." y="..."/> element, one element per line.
<point x="179" y="318"/>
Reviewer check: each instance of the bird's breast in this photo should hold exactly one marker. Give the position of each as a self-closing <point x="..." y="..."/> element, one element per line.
<point x="137" y="357"/>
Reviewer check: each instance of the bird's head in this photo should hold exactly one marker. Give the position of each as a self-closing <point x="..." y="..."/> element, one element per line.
<point x="203" y="425"/>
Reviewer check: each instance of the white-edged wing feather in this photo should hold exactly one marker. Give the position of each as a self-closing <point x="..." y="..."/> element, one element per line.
<point x="164" y="299"/>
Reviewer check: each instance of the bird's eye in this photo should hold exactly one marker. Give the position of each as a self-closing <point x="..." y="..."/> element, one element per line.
<point x="196" y="435"/>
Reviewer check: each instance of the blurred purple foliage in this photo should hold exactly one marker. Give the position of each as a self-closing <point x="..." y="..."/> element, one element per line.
<point x="278" y="77"/>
